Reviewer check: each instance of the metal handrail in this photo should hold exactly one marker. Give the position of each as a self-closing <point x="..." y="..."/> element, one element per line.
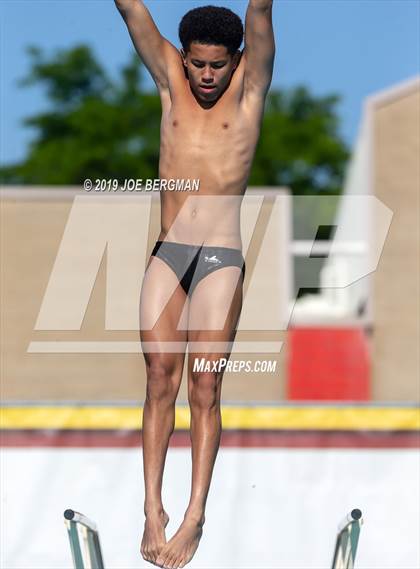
<point x="92" y="548"/>
<point x="347" y="540"/>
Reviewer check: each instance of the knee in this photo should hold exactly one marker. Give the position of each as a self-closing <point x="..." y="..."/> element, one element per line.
<point x="161" y="381"/>
<point x="204" y="391"/>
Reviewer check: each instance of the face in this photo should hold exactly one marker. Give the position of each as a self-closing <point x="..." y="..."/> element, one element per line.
<point x="209" y="69"/>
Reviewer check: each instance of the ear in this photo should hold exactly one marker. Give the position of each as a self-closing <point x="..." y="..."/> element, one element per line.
<point x="183" y="56"/>
<point x="236" y="59"/>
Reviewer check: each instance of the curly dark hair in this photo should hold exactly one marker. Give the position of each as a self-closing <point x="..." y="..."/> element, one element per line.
<point x="212" y="25"/>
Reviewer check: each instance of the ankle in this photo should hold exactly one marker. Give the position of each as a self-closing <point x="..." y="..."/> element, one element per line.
<point x="195" y="515"/>
<point x="154" y="510"/>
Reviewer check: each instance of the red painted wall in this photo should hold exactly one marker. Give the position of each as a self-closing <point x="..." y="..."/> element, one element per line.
<point x="328" y="364"/>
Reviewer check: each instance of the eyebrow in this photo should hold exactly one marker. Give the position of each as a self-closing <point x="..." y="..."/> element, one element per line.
<point x="194" y="60"/>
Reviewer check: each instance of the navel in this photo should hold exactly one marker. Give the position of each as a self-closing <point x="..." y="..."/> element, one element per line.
<point x="225" y="125"/>
<point x="175" y="123"/>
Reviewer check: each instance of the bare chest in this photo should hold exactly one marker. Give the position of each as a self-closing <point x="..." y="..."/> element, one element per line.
<point x="225" y="132"/>
<point x="199" y="126"/>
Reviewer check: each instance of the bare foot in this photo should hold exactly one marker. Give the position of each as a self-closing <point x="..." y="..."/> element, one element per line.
<point x="181" y="547"/>
<point x="154" y="537"/>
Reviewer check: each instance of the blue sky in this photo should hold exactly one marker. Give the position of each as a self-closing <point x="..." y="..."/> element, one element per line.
<point x="350" y="47"/>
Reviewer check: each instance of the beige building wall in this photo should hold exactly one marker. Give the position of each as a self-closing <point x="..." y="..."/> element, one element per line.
<point x="35" y="225"/>
<point x="395" y="284"/>
<point x="34" y="222"/>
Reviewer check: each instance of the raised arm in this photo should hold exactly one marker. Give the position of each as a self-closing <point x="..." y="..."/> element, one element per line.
<point x="259" y="47"/>
<point x="154" y="50"/>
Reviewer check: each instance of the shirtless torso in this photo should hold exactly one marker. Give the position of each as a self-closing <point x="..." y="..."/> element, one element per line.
<point x="212" y="106"/>
<point x="215" y="145"/>
<point x="210" y="137"/>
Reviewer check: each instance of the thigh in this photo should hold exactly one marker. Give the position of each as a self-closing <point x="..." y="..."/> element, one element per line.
<point x="163" y="315"/>
<point x="214" y="313"/>
<point x="216" y="303"/>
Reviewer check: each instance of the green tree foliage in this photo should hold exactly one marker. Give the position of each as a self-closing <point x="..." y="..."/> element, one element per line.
<point x="299" y="145"/>
<point x="99" y="128"/>
<point x="94" y="128"/>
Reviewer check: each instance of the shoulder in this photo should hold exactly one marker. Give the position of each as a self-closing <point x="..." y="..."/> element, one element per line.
<point x="251" y="95"/>
<point x="175" y="73"/>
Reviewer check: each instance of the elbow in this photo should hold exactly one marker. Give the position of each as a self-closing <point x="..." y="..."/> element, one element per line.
<point x="124" y="5"/>
<point x="261" y="5"/>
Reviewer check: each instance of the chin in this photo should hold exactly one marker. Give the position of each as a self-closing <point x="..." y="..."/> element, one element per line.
<point x="206" y="98"/>
<point x="210" y="98"/>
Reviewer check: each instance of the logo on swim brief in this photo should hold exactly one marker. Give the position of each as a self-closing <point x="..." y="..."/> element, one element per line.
<point x="213" y="260"/>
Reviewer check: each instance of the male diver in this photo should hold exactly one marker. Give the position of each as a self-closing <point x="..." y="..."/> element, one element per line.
<point x="212" y="97"/>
